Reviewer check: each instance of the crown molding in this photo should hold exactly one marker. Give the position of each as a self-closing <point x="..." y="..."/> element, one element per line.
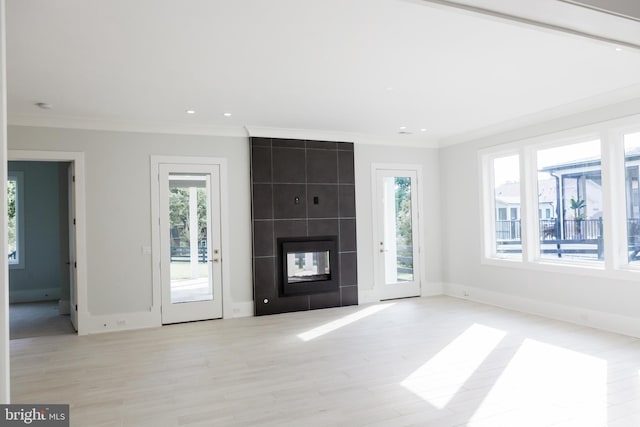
<point x="125" y="126"/>
<point x="618" y="103"/>
<point x="62" y="122"/>
<point x="338" y="136"/>
<point x="544" y="24"/>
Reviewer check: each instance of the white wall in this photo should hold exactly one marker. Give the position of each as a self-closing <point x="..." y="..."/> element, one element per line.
<point x="603" y="302"/>
<point x="119" y="213"/>
<point x="364" y="156"/>
<point x="4" y="267"/>
<point x="118" y="209"/>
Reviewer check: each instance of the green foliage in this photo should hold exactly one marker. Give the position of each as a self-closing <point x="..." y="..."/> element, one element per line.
<point x="179" y="213"/>
<point x="11" y="214"/>
<point x="404" y="229"/>
<point x="576" y="206"/>
<point x="11" y="198"/>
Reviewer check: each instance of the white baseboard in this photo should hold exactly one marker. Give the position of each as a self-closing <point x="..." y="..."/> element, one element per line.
<point x="97" y="324"/>
<point x="34" y="295"/>
<point x="367" y="296"/>
<point x="243" y="309"/>
<point x="596" y="319"/>
<point x="432" y="289"/>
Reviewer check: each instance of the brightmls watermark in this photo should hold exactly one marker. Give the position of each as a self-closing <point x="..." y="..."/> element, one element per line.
<point x="34" y="415"/>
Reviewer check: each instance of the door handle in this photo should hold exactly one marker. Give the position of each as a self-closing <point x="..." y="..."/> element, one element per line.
<point x="214" y="260"/>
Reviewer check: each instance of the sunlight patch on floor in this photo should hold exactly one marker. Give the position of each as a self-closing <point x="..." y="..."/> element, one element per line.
<point x="541" y="379"/>
<point x="344" y="321"/>
<point x="440" y="379"/>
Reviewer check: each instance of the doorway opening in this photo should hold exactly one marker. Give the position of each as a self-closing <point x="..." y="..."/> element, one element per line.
<point x="40" y="214"/>
<point x="78" y="312"/>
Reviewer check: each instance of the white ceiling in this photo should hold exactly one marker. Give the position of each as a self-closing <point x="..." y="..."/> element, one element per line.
<point x="340" y="68"/>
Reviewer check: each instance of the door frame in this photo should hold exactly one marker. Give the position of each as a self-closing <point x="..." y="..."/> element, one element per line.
<point x="417" y="169"/>
<point x="156" y="160"/>
<point x="78" y="163"/>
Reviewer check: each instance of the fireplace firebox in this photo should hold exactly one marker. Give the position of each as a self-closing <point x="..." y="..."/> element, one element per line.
<point x="308" y="265"/>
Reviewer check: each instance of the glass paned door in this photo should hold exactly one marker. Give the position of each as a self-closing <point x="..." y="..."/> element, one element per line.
<point x="190" y="240"/>
<point x="397" y="242"/>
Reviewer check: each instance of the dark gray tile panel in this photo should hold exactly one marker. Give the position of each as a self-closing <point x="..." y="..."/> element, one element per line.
<point x="290" y="228"/>
<point x="289" y="201"/>
<point x="327" y="200"/>
<point x="349" y="295"/>
<point x="345" y="167"/>
<point x="323" y="227"/>
<point x="347" y="235"/>
<point x="322" y="166"/>
<point x="263" y="239"/>
<point x="347" y="201"/>
<point x="262" y="201"/>
<point x="261" y="164"/>
<point x="322" y="145"/>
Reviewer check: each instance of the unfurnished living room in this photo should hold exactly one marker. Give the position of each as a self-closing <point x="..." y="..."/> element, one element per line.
<point x="320" y="213"/>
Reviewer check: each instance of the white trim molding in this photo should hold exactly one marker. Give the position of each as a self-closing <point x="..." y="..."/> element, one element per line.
<point x="611" y="322"/>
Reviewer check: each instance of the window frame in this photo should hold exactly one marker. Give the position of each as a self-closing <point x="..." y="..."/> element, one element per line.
<point x="611" y="136"/>
<point x="535" y="226"/>
<point x="619" y="228"/>
<point x="488" y="238"/>
<point x="18" y="177"/>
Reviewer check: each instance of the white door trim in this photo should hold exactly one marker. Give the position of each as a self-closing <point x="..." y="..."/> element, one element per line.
<point x="77" y="158"/>
<point x="417" y="168"/>
<point x="156" y="160"/>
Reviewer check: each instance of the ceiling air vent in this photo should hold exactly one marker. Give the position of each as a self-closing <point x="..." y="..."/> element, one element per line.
<point x="629" y="9"/>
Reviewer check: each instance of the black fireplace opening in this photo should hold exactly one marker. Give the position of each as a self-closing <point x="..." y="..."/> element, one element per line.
<point x="308" y="265"/>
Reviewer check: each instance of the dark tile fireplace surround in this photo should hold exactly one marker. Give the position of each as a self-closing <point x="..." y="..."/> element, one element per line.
<point x="303" y="203"/>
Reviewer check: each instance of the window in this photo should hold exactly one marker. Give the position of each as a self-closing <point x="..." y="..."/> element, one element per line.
<point x="15" y="220"/>
<point x="566" y="202"/>
<point x="502" y="214"/>
<point x="506" y="199"/>
<point x="632" y="190"/>
<point x="570" y="183"/>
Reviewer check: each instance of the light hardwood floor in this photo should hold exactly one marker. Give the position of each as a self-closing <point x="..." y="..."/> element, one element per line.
<point x="424" y="362"/>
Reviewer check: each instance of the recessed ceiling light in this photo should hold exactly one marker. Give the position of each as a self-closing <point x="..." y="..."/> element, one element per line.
<point x="227" y="114"/>
<point x="389" y="88"/>
<point x="423" y="130"/>
<point x="618" y="49"/>
<point x="44" y="105"/>
<point x="190" y="111"/>
<point x="403" y="127"/>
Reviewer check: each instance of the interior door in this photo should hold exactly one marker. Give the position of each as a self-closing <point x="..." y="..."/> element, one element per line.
<point x="73" y="289"/>
<point x="397" y="228"/>
<point x="191" y="267"/>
